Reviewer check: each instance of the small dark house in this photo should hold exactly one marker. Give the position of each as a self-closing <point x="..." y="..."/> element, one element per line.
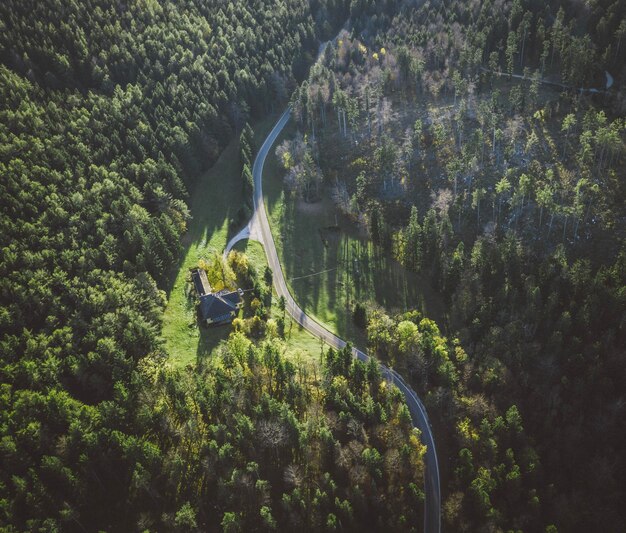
<point x="216" y="307"/>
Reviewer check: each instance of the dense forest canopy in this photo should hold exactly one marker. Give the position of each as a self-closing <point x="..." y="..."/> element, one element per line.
<point x="465" y="139"/>
<point x="100" y="137"/>
<point x="479" y="145"/>
<point x="109" y="111"/>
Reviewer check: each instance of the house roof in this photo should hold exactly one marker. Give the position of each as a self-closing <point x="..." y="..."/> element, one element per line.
<point x="234" y="298"/>
<point x="218" y="307"/>
<point x="201" y="282"/>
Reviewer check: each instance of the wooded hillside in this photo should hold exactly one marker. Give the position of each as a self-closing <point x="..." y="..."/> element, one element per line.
<point x="477" y="143"/>
<point x="109" y="110"/>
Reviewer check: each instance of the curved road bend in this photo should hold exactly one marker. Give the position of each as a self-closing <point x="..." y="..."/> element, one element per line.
<point x="432" y="511"/>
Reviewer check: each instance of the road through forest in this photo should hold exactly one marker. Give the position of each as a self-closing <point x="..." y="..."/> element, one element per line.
<point x="259" y="229"/>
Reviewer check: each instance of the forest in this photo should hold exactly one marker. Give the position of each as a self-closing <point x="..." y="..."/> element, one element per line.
<point x="480" y="145"/>
<point x="109" y="112"/>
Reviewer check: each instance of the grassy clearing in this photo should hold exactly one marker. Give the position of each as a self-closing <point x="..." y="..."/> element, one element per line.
<point x="301" y="345"/>
<point x="330" y="264"/>
<point x="215" y="200"/>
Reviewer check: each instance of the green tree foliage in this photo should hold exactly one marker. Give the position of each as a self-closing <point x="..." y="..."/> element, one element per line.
<point x="508" y="195"/>
<point x="250" y="439"/>
<point x="246" y="141"/>
<point x="108" y="112"/>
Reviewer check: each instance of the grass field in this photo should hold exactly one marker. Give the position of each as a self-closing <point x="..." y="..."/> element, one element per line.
<point x="215" y="200"/>
<point x="330" y="264"/>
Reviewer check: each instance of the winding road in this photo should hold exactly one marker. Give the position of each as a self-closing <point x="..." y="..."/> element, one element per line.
<point x="259" y="229"/>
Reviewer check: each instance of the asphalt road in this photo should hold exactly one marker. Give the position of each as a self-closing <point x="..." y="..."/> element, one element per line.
<point x="432" y="511"/>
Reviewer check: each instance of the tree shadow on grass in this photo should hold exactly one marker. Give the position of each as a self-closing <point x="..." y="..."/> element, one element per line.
<point x="210" y="338"/>
<point x="208" y="215"/>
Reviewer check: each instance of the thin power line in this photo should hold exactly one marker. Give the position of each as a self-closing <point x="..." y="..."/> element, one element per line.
<point x="314" y="274"/>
